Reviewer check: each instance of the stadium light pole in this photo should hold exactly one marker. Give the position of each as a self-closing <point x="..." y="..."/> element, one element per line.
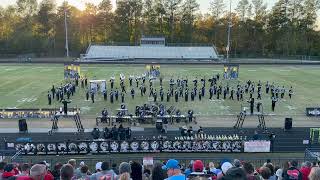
<point x="66" y="28"/>
<point x="229" y="32"/>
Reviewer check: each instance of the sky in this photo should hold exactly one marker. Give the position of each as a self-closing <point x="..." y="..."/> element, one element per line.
<point x="204" y="4"/>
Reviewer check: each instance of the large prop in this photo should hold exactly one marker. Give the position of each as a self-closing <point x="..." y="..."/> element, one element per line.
<point x="231" y="71"/>
<point x="71" y="71"/>
<point x="98" y="85"/>
<point x="153" y="70"/>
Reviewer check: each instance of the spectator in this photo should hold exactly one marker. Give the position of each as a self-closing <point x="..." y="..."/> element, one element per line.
<point x="173" y="170"/>
<point x="2" y="165"/>
<point x="314" y="174"/>
<point x="98" y="167"/>
<point x="115" y="168"/>
<point x="235" y="173"/>
<point x="157" y="172"/>
<point x="198" y="170"/>
<point x="271" y="168"/>
<point x="136" y="171"/>
<point x="124" y="168"/>
<point x="38" y="172"/>
<point x="125" y="176"/>
<point x="236" y="163"/>
<point x="265" y="173"/>
<point x="249" y="170"/>
<point x="105" y="173"/>
<point x="66" y="172"/>
<point x="305" y="170"/>
<point x="188" y="171"/>
<point x="83" y="173"/>
<point x="292" y="172"/>
<point x="279" y="174"/>
<point x="73" y="163"/>
<point x="56" y="171"/>
<point x="25" y="168"/>
<point x="314" y="164"/>
<point x="48" y="175"/>
<point x="77" y="172"/>
<point x="9" y="172"/>
<point x="146" y="174"/>
<point x="224" y="167"/>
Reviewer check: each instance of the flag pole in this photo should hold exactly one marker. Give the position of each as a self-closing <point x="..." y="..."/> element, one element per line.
<point x="66" y="28"/>
<point x="229" y="32"/>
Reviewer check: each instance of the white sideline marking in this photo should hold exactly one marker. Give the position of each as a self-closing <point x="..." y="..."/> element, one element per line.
<point x="291" y="107"/>
<point x="285" y="70"/>
<point x="252" y="70"/>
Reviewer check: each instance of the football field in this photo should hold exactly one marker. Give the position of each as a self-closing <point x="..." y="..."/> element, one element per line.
<point x="26" y="86"/>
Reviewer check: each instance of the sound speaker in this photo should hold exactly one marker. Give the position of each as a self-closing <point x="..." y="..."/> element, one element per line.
<point x="159" y="125"/>
<point x="288" y="123"/>
<point x="23" y="127"/>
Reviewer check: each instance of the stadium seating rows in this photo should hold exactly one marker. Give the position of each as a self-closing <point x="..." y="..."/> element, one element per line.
<point x="147" y="52"/>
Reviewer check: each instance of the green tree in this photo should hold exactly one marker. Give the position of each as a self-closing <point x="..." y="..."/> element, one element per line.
<point x="105" y="17"/>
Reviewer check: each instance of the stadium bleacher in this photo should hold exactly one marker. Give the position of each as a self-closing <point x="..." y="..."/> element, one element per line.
<point x="99" y="52"/>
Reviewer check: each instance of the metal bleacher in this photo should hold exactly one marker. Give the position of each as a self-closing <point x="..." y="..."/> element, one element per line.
<point x="100" y="52"/>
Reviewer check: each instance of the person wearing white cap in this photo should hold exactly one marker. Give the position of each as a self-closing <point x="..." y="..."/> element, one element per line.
<point x="77" y="172"/>
<point x="98" y="166"/>
<point x="105" y="172"/>
<point x="225" y="167"/>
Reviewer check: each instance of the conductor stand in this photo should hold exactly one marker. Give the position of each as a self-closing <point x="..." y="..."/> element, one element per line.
<point x="54" y="126"/>
<point x="262" y="122"/>
<point x="240" y="120"/>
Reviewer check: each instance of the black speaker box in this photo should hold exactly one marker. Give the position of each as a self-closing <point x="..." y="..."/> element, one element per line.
<point x="288" y="123"/>
<point x="23" y="127"/>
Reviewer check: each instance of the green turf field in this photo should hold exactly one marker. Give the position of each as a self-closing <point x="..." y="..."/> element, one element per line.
<point x="26" y="86"/>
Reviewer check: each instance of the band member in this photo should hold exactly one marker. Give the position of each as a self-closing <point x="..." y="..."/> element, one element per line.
<point x="186" y="95"/>
<point x="137" y="82"/>
<point x="274" y="100"/>
<point x="112" y="82"/>
<point x="224" y="93"/>
<point x="116" y="94"/>
<point x="87" y="95"/>
<point x="203" y="91"/>
<point x="290" y="92"/>
<point x="92" y="96"/>
<point x="53" y="91"/>
<point x="176" y="95"/>
<point x="211" y="92"/>
<point x="155" y="96"/>
<point x="105" y="95"/>
<point x="251" y="101"/>
<point x="199" y="95"/>
<point x="122" y="97"/>
<point x="231" y="93"/>
<point x="161" y="95"/>
<point x="130" y="81"/>
<point x="259" y="105"/>
<point x="65" y="106"/>
<point x="111" y="97"/>
<point x="283" y="90"/>
<point x="132" y="93"/>
<point x="168" y="96"/>
<point x="192" y="96"/>
<point x="259" y="95"/>
<point x="49" y="98"/>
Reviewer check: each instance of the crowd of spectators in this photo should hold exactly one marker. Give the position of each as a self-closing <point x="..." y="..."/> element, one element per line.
<point x="169" y="170"/>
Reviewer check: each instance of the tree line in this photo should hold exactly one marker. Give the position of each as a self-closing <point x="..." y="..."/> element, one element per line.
<point x="287" y="29"/>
